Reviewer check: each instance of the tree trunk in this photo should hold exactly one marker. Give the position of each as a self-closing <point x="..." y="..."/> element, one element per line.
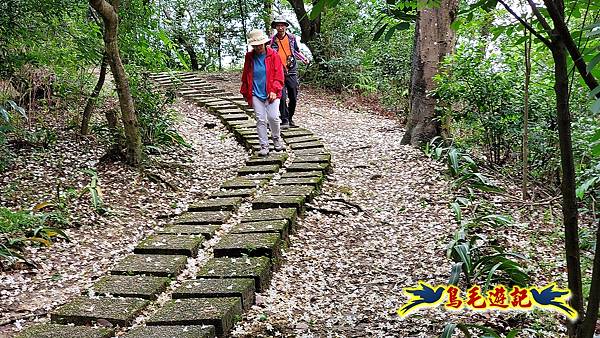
<point x="243" y="17"/>
<point x="130" y="123"/>
<point x="91" y="102"/>
<point x="524" y="193"/>
<point x="591" y="316"/>
<point x="268" y="15"/>
<point x="310" y="29"/>
<point x="434" y="39"/>
<point x="569" y="204"/>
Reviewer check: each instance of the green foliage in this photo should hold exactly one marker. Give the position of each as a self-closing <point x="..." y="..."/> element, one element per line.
<point x="95" y="193"/>
<point x="481" y="263"/>
<point x="461" y="166"/>
<point x="155" y="120"/>
<point x="20" y="228"/>
<point x="484" y="97"/>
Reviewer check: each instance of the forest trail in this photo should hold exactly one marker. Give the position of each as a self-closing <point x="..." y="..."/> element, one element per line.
<point x="327" y="234"/>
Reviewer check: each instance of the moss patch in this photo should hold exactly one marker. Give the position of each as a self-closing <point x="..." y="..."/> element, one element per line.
<point x="145" y="287"/>
<point x="64" y="331"/>
<point x="219" y="312"/>
<point x="153" y="265"/>
<point x="242" y="288"/>
<point x="83" y="310"/>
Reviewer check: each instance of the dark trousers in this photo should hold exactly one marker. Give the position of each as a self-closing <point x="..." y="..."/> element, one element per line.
<point x="290" y="91"/>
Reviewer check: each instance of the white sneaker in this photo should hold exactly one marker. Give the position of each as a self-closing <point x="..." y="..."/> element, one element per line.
<point x="277" y="144"/>
<point x="263" y="152"/>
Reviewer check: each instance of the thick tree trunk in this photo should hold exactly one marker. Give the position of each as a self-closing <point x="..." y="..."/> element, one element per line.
<point x="569" y="205"/>
<point x="310" y="29"/>
<point x="268" y="15"/>
<point x="91" y="102"/>
<point x="130" y="123"/>
<point x="434" y="39"/>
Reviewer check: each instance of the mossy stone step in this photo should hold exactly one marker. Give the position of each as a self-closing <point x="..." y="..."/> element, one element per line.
<point x="163" y="244"/>
<point x="196" y="97"/>
<point x="257" y="148"/>
<point x="242" y="124"/>
<point x="272" y="158"/>
<point x="257" y="176"/>
<point x="295" y="174"/>
<point x="267" y="202"/>
<point x="234" y="117"/>
<point x="65" y="331"/>
<point x="240" y="182"/>
<point x="257" y="268"/>
<point x="204" y="217"/>
<point x="217" y="204"/>
<point x="258" y="169"/>
<point x="295" y="132"/>
<point x="217" y="103"/>
<point x="231" y="97"/>
<point x="83" y="310"/>
<point x="152" y="265"/>
<point x="242" y="288"/>
<point x="222" y="313"/>
<point x="251" y="245"/>
<point x="206" y="230"/>
<point x="311" y="151"/>
<point x="235" y="192"/>
<point x="317" y="158"/>
<point x="228" y="111"/>
<point x="214" y="91"/>
<point x="307" y="145"/>
<point x="205" y="100"/>
<point x="308" y="167"/>
<point x="144" y="287"/>
<point x="315" y="181"/>
<point x="175" y="331"/>
<point x="289" y="214"/>
<point x="292" y="190"/>
<point x="189" y="92"/>
<point x="280" y="226"/>
<point x="215" y="111"/>
<point x="301" y="139"/>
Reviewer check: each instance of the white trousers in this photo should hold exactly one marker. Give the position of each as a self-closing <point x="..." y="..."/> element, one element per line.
<point x="266" y="112"/>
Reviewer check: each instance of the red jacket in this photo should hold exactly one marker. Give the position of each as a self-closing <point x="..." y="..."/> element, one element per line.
<point x="275" y="75"/>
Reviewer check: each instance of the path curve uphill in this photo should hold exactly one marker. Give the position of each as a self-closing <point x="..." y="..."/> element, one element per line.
<point x="380" y="225"/>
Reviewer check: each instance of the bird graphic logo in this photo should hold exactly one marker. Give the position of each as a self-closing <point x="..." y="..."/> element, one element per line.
<point x="424" y="295"/>
<point x="552" y="298"/>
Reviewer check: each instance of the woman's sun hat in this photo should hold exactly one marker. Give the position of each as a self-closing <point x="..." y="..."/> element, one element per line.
<point x="257" y="37"/>
<point x="279" y="19"/>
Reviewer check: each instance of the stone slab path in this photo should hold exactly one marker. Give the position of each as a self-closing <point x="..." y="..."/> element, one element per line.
<point x="243" y="258"/>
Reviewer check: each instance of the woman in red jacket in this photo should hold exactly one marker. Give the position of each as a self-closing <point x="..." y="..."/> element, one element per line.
<point x="262" y="81"/>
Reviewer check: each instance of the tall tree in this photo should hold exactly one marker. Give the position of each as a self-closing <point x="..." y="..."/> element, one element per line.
<point x="130" y="123"/>
<point x="434" y="39"/>
<point x="560" y="42"/>
<point x="310" y="27"/>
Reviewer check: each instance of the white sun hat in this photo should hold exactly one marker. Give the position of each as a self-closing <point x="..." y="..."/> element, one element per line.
<point x="257" y="37"/>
